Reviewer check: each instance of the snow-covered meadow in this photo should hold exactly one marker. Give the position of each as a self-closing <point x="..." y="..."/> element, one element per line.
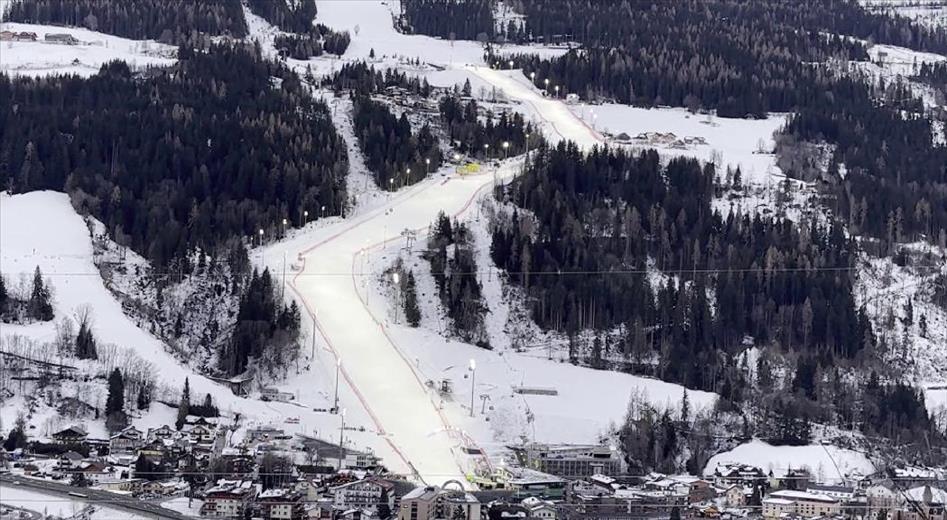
<point x="94" y="50"/>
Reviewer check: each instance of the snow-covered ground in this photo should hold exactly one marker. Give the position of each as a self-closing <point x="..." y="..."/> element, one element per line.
<point x="744" y="143"/>
<point x="828" y="463"/>
<point x="184" y="505"/>
<point x="929" y="13"/>
<point x="60" y="506"/>
<point x="95" y="49"/>
<point x="41" y="228"/>
<point x="917" y="350"/>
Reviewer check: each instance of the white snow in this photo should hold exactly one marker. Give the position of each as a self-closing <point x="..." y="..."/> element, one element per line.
<point x="42" y="59"/>
<point x="931" y="14"/>
<point x="371" y="25"/>
<point x="41" y="228"/>
<point x="58" y="505"/>
<point x="747" y="143"/>
<point x="553" y="114"/>
<point x="826" y="463"/>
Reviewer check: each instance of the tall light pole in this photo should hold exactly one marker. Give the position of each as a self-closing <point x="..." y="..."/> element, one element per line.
<point x="532" y="77"/>
<point x="284" y="228"/>
<point x="473" y="377"/>
<point x="427" y="165"/>
<point x="261" y="237"/>
<point x="506" y="146"/>
<point x="323" y="209"/>
<point x="407" y="175"/>
<point x="546" y="81"/>
<point x="486" y="150"/>
<point x="391" y="185"/>
<point x="557" y="90"/>
<point x="305" y="217"/>
<point x="341" y="438"/>
<point x="338" y="367"/>
<point x="396" y="278"/>
<point x="511" y="64"/>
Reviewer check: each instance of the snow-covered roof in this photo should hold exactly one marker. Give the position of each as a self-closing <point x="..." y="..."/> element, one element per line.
<point x="790" y="494"/>
<point x="274" y="493"/>
<point x="916" y="494"/>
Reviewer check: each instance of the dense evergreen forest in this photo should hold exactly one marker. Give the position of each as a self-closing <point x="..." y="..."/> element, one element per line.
<point x="618" y="242"/>
<point x="453" y="19"/>
<point x="393" y="153"/>
<point x="170" y="21"/>
<point x="484" y="139"/>
<point x="450" y="251"/>
<point x="750" y="58"/>
<point x="266" y="329"/>
<point x="609" y="213"/>
<point x="180" y="158"/>
<point x="895" y="182"/>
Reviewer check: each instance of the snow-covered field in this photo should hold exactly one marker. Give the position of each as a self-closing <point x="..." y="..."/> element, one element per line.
<point x="829" y="463"/>
<point x="744" y="143"/>
<point x="95" y="49"/>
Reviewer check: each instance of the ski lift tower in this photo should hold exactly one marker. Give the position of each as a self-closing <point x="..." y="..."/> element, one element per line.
<point x="410" y="237"/>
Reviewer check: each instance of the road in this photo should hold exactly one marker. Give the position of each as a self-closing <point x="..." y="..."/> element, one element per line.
<point x="18" y="513"/>
<point x="93" y="496"/>
<point x="384" y="382"/>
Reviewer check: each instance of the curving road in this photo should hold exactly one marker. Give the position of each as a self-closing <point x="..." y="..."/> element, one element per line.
<point x="94" y="496"/>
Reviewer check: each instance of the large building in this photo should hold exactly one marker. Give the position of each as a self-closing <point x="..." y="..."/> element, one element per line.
<point x="419" y="504"/>
<point x="374" y="494"/>
<point x="228" y="499"/>
<point x="432" y="503"/>
<point x="525" y="482"/>
<point x="281" y="504"/>
<point x="569" y="460"/>
<point x="789" y="502"/>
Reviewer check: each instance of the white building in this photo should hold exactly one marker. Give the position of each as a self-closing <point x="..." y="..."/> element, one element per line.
<point x="369" y="493"/>
<point x="228" y="499"/>
<point x="281" y="504"/>
<point x="788" y="502"/>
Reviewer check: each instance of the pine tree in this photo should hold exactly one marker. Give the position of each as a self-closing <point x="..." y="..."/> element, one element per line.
<point x="40" y="306"/>
<point x="115" y="401"/>
<point x="85" y="342"/>
<point x="412" y="312"/>
<point x="17" y="436"/>
<point x="143" y="401"/>
<point x="685" y="408"/>
<point x="184" y="407"/>
<point x="4" y="297"/>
